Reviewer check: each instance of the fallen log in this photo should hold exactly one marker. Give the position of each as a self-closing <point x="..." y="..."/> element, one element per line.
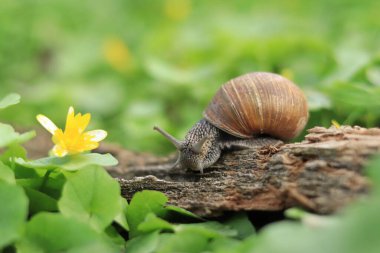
<point x="321" y="174"/>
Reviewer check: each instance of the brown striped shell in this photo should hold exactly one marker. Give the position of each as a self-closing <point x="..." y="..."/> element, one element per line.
<point x="259" y="103"/>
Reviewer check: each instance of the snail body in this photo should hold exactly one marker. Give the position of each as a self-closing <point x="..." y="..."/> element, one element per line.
<point x="242" y="110"/>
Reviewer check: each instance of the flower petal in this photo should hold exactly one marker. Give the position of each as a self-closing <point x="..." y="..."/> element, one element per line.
<point x="59" y="151"/>
<point x="47" y="123"/>
<point x="71" y="110"/>
<point x="70" y="118"/>
<point x="90" y="146"/>
<point x="76" y="124"/>
<point x="96" y="135"/>
<point x="82" y="121"/>
<point x="59" y="137"/>
<point x="73" y="139"/>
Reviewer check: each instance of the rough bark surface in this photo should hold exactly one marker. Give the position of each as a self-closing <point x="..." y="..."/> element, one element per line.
<point x="322" y="173"/>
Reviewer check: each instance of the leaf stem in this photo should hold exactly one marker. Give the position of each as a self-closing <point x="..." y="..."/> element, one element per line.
<point x="45" y="179"/>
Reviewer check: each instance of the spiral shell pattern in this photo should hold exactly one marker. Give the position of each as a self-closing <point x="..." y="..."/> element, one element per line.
<point x="259" y="103"/>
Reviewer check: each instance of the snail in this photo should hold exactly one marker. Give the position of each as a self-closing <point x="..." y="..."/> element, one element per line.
<point x="242" y="111"/>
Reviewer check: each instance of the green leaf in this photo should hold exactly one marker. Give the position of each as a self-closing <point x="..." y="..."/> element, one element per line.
<point x="6" y="174"/>
<point x="181" y="211"/>
<point x="295" y="213"/>
<point x="373" y="171"/>
<point x="48" y="232"/>
<point x="184" y="242"/>
<point x="350" y="96"/>
<point x="291" y="237"/>
<point x="8" y="135"/>
<point x="115" y="237"/>
<point x="247" y="244"/>
<point x="121" y="217"/>
<point x="311" y="220"/>
<point x="30" y="182"/>
<point x="373" y="75"/>
<point x="241" y="223"/>
<point x="39" y="201"/>
<point x="13" y="212"/>
<point x="210" y="229"/>
<point x="36" y="183"/>
<point x="22" y="172"/>
<point x="91" y="195"/>
<point x="44" y="163"/>
<point x="141" y="205"/>
<point x="10" y="99"/>
<point x="70" y="163"/>
<point x="152" y="223"/>
<point x="224" y="245"/>
<point x="13" y="150"/>
<point x="354" y="231"/>
<point x="143" y="244"/>
<point x="317" y="100"/>
<point x="51" y="186"/>
<point x="358" y="231"/>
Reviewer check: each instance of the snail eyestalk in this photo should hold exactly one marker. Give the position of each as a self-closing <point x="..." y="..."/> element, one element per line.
<point x="178" y="144"/>
<point x="178" y="162"/>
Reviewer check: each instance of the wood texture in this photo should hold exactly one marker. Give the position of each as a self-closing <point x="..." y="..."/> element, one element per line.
<point x="322" y="174"/>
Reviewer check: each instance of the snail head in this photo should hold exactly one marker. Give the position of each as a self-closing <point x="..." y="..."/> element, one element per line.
<point x="192" y="153"/>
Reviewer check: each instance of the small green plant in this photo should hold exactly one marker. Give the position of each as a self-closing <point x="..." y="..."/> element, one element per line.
<point x="57" y="204"/>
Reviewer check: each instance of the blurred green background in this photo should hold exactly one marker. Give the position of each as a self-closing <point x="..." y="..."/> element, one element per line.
<point x="134" y="64"/>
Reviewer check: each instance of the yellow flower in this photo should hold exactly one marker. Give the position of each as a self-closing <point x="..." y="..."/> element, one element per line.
<point x="335" y="123"/>
<point x="177" y="9"/>
<point x="117" y="54"/>
<point x="73" y="140"/>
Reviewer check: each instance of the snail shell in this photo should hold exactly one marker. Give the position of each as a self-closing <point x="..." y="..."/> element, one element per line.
<point x="259" y="103"/>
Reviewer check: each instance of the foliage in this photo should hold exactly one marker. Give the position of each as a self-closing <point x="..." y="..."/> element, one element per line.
<point x="56" y="204"/>
<point x="71" y="204"/>
<point x="135" y="67"/>
<point x="355" y="230"/>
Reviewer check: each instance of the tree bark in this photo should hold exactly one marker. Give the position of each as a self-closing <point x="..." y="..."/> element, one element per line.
<point x="322" y="174"/>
